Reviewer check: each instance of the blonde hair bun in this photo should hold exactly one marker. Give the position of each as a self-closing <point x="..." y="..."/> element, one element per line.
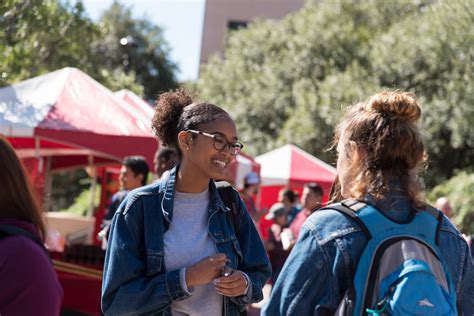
<point x="401" y="104"/>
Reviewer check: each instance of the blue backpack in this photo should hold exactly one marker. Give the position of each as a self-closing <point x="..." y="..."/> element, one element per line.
<point x="401" y="270"/>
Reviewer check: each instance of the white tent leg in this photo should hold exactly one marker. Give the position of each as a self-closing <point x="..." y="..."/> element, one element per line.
<point x="38" y="155"/>
<point x="93" y="185"/>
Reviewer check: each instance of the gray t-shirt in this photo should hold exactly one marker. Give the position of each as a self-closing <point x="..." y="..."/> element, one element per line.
<point x="186" y="242"/>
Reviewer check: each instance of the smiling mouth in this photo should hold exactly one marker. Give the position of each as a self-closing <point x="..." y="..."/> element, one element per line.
<point x="220" y="163"/>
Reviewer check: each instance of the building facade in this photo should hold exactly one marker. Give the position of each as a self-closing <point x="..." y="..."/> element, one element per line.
<point x="221" y="16"/>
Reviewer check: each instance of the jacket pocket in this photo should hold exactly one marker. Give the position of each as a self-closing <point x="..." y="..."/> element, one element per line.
<point x="237" y="249"/>
<point x="154" y="260"/>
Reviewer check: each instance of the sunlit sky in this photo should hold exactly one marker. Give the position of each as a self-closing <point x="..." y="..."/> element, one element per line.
<point x="181" y="20"/>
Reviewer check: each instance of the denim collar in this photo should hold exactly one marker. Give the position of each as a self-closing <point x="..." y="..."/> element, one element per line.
<point x="167" y="189"/>
<point x="395" y="203"/>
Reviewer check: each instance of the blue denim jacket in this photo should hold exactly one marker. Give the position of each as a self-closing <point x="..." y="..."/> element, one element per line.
<point x="322" y="265"/>
<point x="136" y="281"/>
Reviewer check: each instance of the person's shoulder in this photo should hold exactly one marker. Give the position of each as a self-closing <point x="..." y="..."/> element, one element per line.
<point x="328" y="223"/>
<point x="26" y="267"/>
<point x="117" y="198"/>
<point x="447" y="226"/>
<point x="329" y="215"/>
<point x="19" y="253"/>
<point x="152" y="190"/>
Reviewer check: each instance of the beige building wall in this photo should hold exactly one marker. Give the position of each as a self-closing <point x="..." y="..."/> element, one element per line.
<point x="219" y="13"/>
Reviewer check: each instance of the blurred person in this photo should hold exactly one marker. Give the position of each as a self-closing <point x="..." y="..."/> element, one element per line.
<point x="248" y="193"/>
<point x="380" y="153"/>
<point x="443" y="204"/>
<point x="290" y="199"/>
<point x="165" y="159"/>
<point x="29" y="284"/>
<point x="311" y="199"/>
<point x="133" y="174"/>
<point x="274" y="245"/>
<point x="173" y="248"/>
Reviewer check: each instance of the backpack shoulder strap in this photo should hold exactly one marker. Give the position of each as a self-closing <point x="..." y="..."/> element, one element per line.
<point x="439" y="217"/>
<point x="10" y="230"/>
<point x="349" y="209"/>
<point x="228" y="197"/>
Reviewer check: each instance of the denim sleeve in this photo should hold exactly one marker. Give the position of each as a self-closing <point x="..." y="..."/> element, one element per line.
<point x="466" y="295"/>
<point x="254" y="261"/>
<point x="126" y="289"/>
<point x="304" y="286"/>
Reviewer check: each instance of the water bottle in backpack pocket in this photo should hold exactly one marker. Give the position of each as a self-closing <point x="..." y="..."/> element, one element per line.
<point x="400" y="271"/>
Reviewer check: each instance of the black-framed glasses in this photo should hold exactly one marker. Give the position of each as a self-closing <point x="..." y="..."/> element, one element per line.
<point x="221" y="143"/>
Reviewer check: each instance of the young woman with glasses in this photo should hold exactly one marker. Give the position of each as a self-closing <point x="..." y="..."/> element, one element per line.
<point x="173" y="249"/>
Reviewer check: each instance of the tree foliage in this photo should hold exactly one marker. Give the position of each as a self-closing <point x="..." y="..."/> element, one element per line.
<point x="289" y="80"/>
<point x="42" y="36"/>
<point x="139" y="46"/>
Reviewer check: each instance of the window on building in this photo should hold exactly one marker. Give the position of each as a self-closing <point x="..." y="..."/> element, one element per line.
<point x="235" y="25"/>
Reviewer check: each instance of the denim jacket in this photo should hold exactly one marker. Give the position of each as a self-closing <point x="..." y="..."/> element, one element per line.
<point x="322" y="265"/>
<point x="136" y="281"/>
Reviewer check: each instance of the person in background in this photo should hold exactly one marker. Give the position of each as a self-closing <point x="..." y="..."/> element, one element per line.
<point x="290" y="199"/>
<point x="311" y="199"/>
<point x="165" y="159"/>
<point x="133" y="174"/>
<point x="443" y="204"/>
<point x="380" y="154"/>
<point x="174" y="248"/>
<point x="274" y="246"/>
<point x="29" y="284"/>
<point x="250" y="190"/>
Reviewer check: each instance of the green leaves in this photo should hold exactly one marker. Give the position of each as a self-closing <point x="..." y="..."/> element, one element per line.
<point x="42" y="36"/>
<point x="290" y="80"/>
<point x="143" y="55"/>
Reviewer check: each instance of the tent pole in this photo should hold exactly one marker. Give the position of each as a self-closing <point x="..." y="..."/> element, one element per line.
<point x="93" y="185"/>
<point x="38" y="154"/>
<point x="48" y="184"/>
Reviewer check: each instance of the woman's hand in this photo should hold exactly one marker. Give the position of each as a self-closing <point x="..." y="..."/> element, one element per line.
<point x="232" y="285"/>
<point x="205" y="270"/>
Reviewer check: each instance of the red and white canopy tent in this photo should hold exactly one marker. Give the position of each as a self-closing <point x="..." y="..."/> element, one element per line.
<point x="66" y="119"/>
<point x="240" y="167"/>
<point x="290" y="166"/>
<point x="140" y="107"/>
<point x="68" y="109"/>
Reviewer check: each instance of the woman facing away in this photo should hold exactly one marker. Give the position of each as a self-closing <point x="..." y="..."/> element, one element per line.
<point x="173" y="249"/>
<point x="29" y="284"/>
<point x="380" y="153"/>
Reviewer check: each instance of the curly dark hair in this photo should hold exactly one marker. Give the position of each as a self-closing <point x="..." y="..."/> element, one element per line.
<point x="177" y="111"/>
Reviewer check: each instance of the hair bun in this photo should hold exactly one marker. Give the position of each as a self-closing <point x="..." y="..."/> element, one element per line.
<point x="401" y="104"/>
<point x="168" y="110"/>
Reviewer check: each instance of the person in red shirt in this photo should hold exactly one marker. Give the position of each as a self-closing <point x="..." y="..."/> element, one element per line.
<point x="251" y="187"/>
<point x="311" y="199"/>
<point x="277" y="254"/>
